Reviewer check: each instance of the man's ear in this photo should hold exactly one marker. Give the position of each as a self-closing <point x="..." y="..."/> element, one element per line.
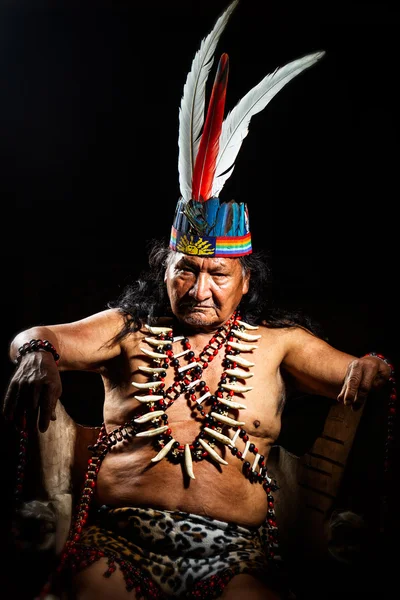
<point x="246" y="284"/>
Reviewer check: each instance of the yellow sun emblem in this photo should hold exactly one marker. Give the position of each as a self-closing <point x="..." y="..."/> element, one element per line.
<point x="195" y="247"/>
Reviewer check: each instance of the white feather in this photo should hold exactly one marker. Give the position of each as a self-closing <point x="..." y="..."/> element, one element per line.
<point x="191" y="111"/>
<point x="236" y="123"/>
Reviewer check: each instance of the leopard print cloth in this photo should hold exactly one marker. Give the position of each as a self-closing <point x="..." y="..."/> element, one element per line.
<point x="172" y="553"/>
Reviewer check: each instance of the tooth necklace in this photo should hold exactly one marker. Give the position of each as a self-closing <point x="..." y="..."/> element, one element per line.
<point x="188" y="381"/>
<point x="154" y="423"/>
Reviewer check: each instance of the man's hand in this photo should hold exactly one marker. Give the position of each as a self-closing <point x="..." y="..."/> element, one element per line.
<point x="363" y="375"/>
<point x="36" y="387"/>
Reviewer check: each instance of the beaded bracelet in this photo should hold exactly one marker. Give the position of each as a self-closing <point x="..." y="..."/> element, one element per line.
<point x="36" y="346"/>
<point x="384" y="359"/>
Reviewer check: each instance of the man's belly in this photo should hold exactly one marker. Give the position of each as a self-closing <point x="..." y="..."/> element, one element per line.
<point x="127" y="477"/>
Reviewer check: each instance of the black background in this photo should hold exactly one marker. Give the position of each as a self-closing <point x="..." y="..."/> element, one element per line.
<point x="89" y="103"/>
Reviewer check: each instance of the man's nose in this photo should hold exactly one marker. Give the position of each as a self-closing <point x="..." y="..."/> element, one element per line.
<point x="201" y="289"/>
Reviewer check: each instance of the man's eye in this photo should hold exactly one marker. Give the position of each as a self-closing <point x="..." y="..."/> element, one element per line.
<point x="187" y="271"/>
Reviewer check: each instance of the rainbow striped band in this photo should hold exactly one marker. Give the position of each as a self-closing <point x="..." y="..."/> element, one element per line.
<point x="202" y="245"/>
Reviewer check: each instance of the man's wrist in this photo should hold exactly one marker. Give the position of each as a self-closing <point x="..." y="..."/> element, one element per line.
<point x="36" y="345"/>
<point x="383" y="358"/>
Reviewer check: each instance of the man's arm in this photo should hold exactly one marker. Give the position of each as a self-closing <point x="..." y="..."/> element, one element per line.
<point x="318" y="368"/>
<point x="84" y="345"/>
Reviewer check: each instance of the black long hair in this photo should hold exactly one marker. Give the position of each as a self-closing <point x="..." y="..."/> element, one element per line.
<point x="146" y="299"/>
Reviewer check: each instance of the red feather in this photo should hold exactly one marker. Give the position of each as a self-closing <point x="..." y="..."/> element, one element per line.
<point x="204" y="167"/>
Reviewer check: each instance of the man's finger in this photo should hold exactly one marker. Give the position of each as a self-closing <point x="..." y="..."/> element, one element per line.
<point x="48" y="401"/>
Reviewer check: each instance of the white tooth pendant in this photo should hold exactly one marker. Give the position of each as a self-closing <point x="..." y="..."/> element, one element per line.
<point x="242" y="335"/>
<point x="149" y="398"/>
<point x="189" y="462"/>
<point x="157" y="355"/>
<point x="164" y="451"/>
<point x="239" y="373"/>
<point x="158" y="330"/>
<point x="227" y="420"/>
<point x="243" y="347"/>
<point x="147" y="385"/>
<point x="247" y="325"/>
<point x="149" y="416"/>
<point x="156" y="341"/>
<point x="152" y="432"/>
<point x="239" y="360"/>
<point x="230" y="403"/>
<point x="218" y="436"/>
<point x="212" y="452"/>
<point x="151" y="369"/>
<point x="240" y="389"/>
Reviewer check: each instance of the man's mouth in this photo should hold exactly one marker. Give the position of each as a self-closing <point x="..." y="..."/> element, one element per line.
<point x="199" y="307"/>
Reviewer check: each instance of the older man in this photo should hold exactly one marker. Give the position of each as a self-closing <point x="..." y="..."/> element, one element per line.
<point x="192" y="407"/>
<point x="177" y="500"/>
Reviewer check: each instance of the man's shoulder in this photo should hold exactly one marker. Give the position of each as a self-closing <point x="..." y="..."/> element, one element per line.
<point x="282" y="336"/>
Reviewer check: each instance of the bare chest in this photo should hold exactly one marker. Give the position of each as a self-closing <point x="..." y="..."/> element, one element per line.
<point x="188" y="390"/>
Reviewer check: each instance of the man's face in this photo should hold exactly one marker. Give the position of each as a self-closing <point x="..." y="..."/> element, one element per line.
<point x="204" y="292"/>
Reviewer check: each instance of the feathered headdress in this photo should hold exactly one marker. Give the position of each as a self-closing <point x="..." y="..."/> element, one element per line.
<point x="208" y="148"/>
